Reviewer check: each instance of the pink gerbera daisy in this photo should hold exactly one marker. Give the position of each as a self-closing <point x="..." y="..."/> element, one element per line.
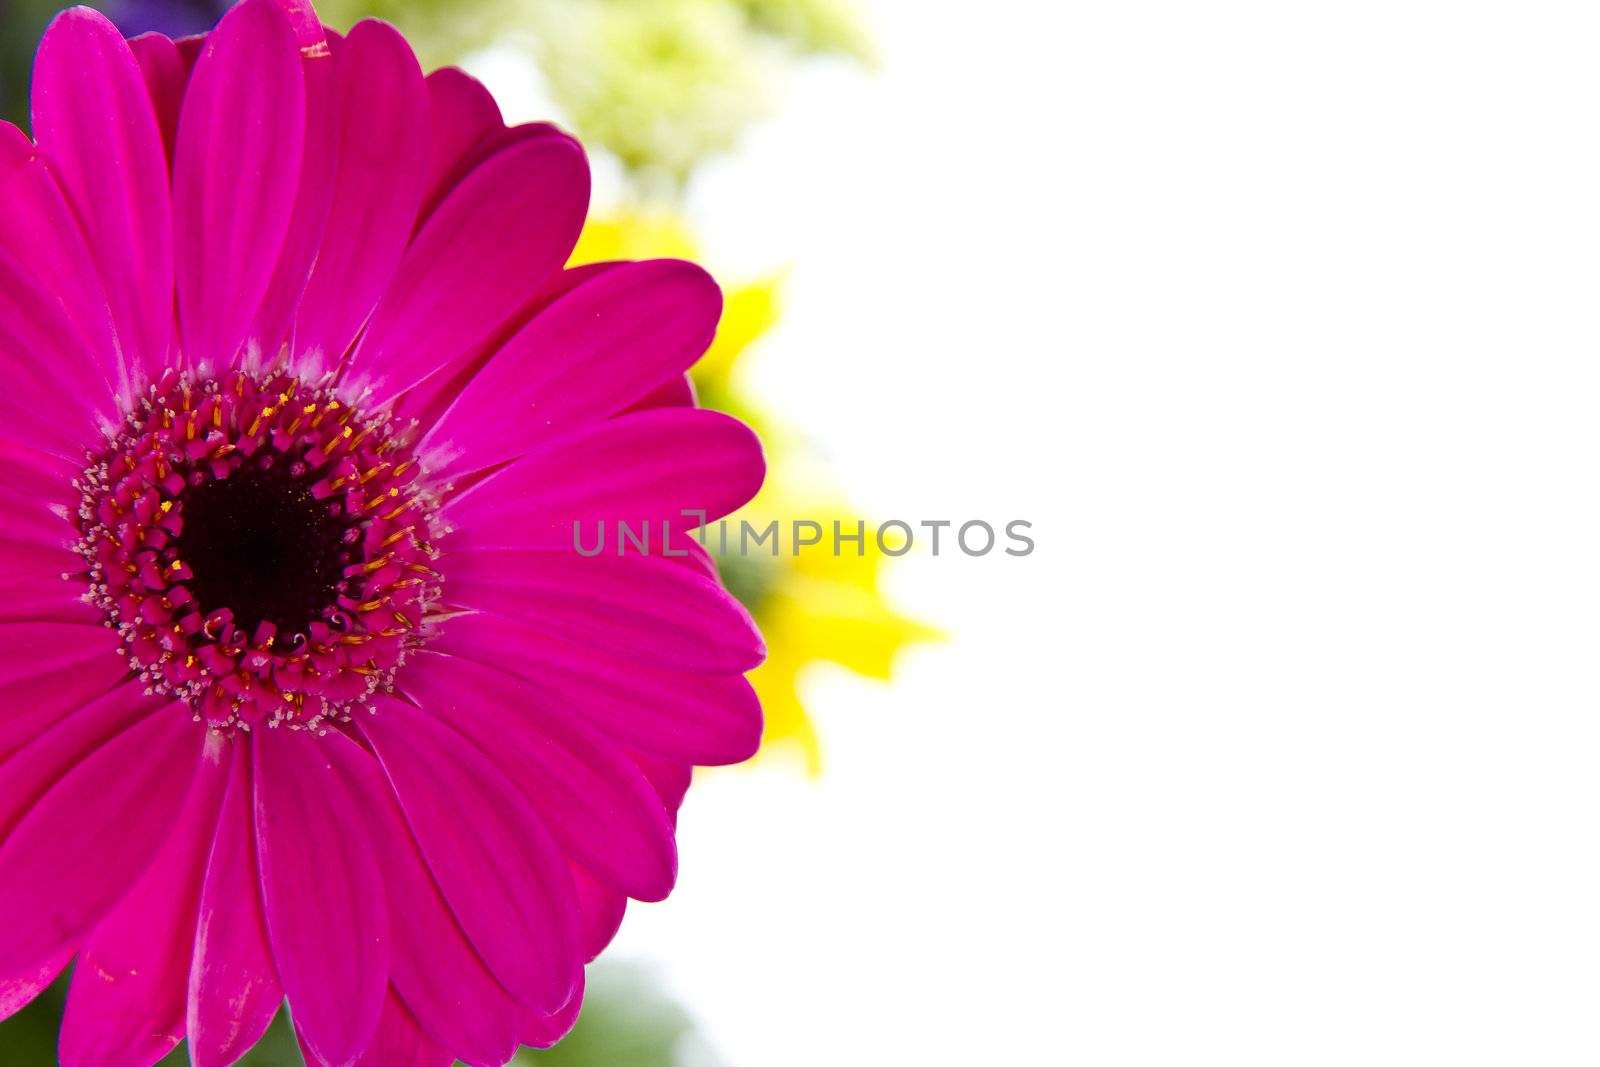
<point x="304" y="692"/>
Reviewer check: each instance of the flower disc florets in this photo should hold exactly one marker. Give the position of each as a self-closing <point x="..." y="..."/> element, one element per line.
<point x="262" y="547"/>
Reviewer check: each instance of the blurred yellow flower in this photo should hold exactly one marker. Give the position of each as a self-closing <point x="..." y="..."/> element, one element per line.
<point x="813" y="606"/>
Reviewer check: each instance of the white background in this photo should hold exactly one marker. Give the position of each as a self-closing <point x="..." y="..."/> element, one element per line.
<point x="1279" y="320"/>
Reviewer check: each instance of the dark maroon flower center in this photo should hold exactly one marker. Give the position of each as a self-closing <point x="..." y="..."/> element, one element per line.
<point x="262" y="546"/>
<point x="259" y="544"/>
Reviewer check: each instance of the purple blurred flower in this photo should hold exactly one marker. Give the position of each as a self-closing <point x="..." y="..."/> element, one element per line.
<point x="175" y="18"/>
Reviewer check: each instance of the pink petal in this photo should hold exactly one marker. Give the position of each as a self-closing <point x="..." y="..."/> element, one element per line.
<point x="595" y="803"/>
<point x="382" y="152"/>
<point x="189" y="48"/>
<point x="319" y="164"/>
<point x="127" y="998"/>
<point x="39" y="229"/>
<point x="50" y="669"/>
<point x="319" y="158"/>
<point x="80" y="848"/>
<point x="95" y="124"/>
<point x="677" y="393"/>
<point x="31" y="585"/>
<point x="312" y="37"/>
<point x="166" y="76"/>
<point x="327" y="914"/>
<point x="52" y="750"/>
<point x="27" y="520"/>
<point x="603" y="910"/>
<point x="42" y="577"/>
<point x="648" y="609"/>
<point x="708" y="719"/>
<point x="232" y="983"/>
<point x="40" y="602"/>
<point x="45" y="478"/>
<point x="463" y="114"/>
<point x="645" y="469"/>
<point x="398" y="1042"/>
<point x="429" y="400"/>
<point x="477" y="261"/>
<point x="32" y="588"/>
<point x="587" y="356"/>
<point x="235" y="175"/>
<point x="495" y="139"/>
<point x="48" y="508"/>
<point x="695" y="557"/>
<point x="18" y="992"/>
<point x="434" y="968"/>
<point x="41" y="476"/>
<point x="56" y="395"/>
<point x="542" y="1031"/>
<point x="501" y="138"/>
<point x="504" y="879"/>
<point x="671" y="779"/>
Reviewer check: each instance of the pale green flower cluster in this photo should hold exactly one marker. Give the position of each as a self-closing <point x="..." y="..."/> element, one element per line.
<point x="661" y="84"/>
<point x="828" y="27"/>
